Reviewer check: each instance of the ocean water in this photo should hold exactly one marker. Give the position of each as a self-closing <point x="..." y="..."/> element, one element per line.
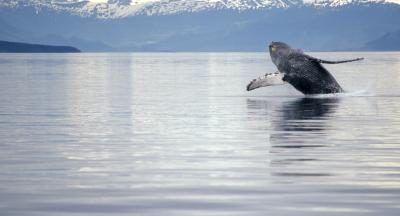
<point x="177" y="134"/>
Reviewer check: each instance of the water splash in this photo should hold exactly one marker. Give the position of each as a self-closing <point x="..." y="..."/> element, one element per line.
<point x="359" y="93"/>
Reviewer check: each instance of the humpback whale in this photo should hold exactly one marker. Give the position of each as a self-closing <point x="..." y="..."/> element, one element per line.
<point x="303" y="72"/>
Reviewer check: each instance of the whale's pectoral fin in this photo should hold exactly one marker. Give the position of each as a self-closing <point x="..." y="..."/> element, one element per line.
<point x="266" y="80"/>
<point x="335" y="62"/>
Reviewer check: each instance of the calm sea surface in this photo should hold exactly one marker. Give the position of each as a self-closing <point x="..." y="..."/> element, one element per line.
<point x="177" y="134"/>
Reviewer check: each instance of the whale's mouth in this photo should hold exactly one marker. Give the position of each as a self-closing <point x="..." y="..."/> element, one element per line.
<point x="268" y="79"/>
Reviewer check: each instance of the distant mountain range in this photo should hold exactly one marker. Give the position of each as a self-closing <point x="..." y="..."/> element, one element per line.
<point x="124" y="8"/>
<point x="388" y="42"/>
<point x="201" y="25"/>
<point x="13" y="47"/>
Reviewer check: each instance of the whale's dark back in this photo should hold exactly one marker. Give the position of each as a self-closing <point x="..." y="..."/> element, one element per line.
<point x="307" y="75"/>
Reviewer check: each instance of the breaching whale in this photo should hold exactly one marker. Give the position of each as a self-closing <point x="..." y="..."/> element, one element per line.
<point x="302" y="71"/>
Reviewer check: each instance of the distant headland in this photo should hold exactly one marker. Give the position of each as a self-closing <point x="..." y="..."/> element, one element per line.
<point x="16" y="47"/>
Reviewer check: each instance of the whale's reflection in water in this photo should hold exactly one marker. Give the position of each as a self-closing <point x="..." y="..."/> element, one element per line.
<point x="305" y="114"/>
<point x="297" y="132"/>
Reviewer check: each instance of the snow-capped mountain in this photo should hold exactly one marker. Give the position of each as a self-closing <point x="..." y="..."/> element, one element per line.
<point x="199" y="25"/>
<point x="126" y="8"/>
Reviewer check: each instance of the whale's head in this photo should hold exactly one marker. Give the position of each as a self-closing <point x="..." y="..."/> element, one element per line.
<point x="278" y="51"/>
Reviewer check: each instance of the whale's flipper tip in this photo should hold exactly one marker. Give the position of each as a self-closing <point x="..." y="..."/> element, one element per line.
<point x="269" y="79"/>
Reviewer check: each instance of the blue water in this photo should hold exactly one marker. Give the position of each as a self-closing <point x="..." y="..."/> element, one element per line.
<point x="177" y="134"/>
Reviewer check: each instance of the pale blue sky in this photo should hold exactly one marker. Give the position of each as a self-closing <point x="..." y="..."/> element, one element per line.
<point x="142" y="1"/>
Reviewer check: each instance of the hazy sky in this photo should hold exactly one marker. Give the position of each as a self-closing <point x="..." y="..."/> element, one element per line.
<point x="101" y="1"/>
